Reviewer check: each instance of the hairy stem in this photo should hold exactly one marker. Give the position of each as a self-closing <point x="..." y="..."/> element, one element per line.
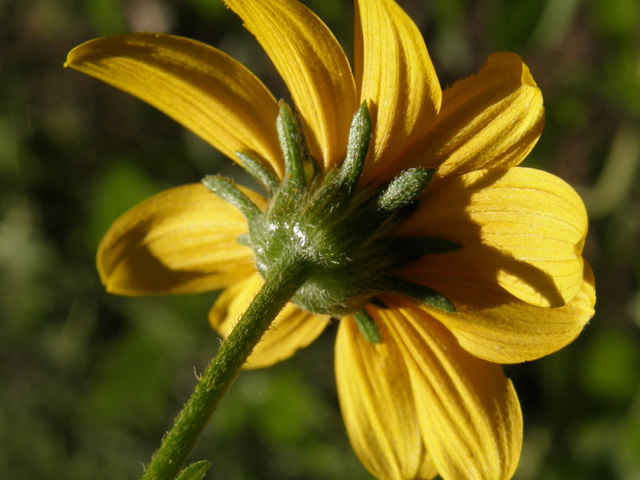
<point x="281" y="284"/>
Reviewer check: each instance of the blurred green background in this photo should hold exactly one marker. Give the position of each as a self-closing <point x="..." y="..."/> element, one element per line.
<point x="89" y="382"/>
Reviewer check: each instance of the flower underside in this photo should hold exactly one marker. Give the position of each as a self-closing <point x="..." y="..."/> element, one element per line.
<point x="342" y="234"/>
<point x="421" y="387"/>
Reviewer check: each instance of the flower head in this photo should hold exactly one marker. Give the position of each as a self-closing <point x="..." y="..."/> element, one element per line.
<point x="441" y="256"/>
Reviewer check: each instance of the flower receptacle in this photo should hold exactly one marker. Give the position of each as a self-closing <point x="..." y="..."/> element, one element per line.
<point x="341" y="230"/>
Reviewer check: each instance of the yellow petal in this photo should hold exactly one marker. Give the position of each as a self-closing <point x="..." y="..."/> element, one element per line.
<point x="492" y="324"/>
<point x="180" y="241"/>
<point x="292" y="329"/>
<point x="468" y="410"/>
<point x="314" y="67"/>
<point x="395" y="75"/>
<point x="378" y="406"/>
<point x="526" y="227"/>
<point x="200" y="87"/>
<point x="492" y="119"/>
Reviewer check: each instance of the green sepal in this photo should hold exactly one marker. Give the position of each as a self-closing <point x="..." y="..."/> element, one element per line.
<point x="367" y="326"/>
<point x="227" y="191"/>
<point x="419" y="246"/>
<point x="425" y="294"/>
<point x="340" y="183"/>
<point x="357" y="148"/>
<point x="258" y="172"/>
<point x="405" y="188"/>
<point x="244" y="240"/>
<point x="289" y="137"/>
<point x="195" y="471"/>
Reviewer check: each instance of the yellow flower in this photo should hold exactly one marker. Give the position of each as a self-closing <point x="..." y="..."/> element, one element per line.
<point x="430" y="396"/>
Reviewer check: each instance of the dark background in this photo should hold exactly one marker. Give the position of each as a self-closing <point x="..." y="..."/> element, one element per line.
<point x="89" y="382"/>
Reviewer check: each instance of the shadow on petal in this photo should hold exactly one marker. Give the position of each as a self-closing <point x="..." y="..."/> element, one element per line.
<point x="520" y="228"/>
<point x="145" y="274"/>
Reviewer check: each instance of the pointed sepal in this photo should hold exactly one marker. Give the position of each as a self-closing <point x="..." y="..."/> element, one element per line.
<point x="289" y="137"/>
<point x="357" y="148"/>
<point x="405" y="189"/>
<point x="367" y="326"/>
<point x="227" y="191"/>
<point x="258" y="172"/>
<point x="425" y="294"/>
<point x="195" y="471"/>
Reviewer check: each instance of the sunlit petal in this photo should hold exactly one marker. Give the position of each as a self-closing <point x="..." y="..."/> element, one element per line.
<point x="468" y="410"/>
<point x="395" y="75"/>
<point x="378" y="406"/>
<point x="182" y="240"/>
<point x="200" y="87"/>
<point x="492" y="324"/>
<point x="292" y="330"/>
<point x="525" y="227"/>
<point x="489" y="120"/>
<point x="313" y="66"/>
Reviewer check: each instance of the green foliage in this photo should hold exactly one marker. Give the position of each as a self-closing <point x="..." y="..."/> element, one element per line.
<point x="617" y="18"/>
<point x="612" y="351"/>
<point x="513" y="23"/>
<point x="107" y="16"/>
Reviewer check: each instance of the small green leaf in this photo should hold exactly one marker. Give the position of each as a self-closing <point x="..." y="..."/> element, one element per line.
<point x="289" y="138"/>
<point x="227" y="191"/>
<point x="195" y="471"/>
<point x="258" y="172"/>
<point x="405" y="188"/>
<point x="367" y="326"/>
<point x="357" y="148"/>
<point x="339" y="184"/>
<point x="420" y="292"/>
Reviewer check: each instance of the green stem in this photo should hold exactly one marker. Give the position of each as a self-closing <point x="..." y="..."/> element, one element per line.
<point x="278" y="288"/>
